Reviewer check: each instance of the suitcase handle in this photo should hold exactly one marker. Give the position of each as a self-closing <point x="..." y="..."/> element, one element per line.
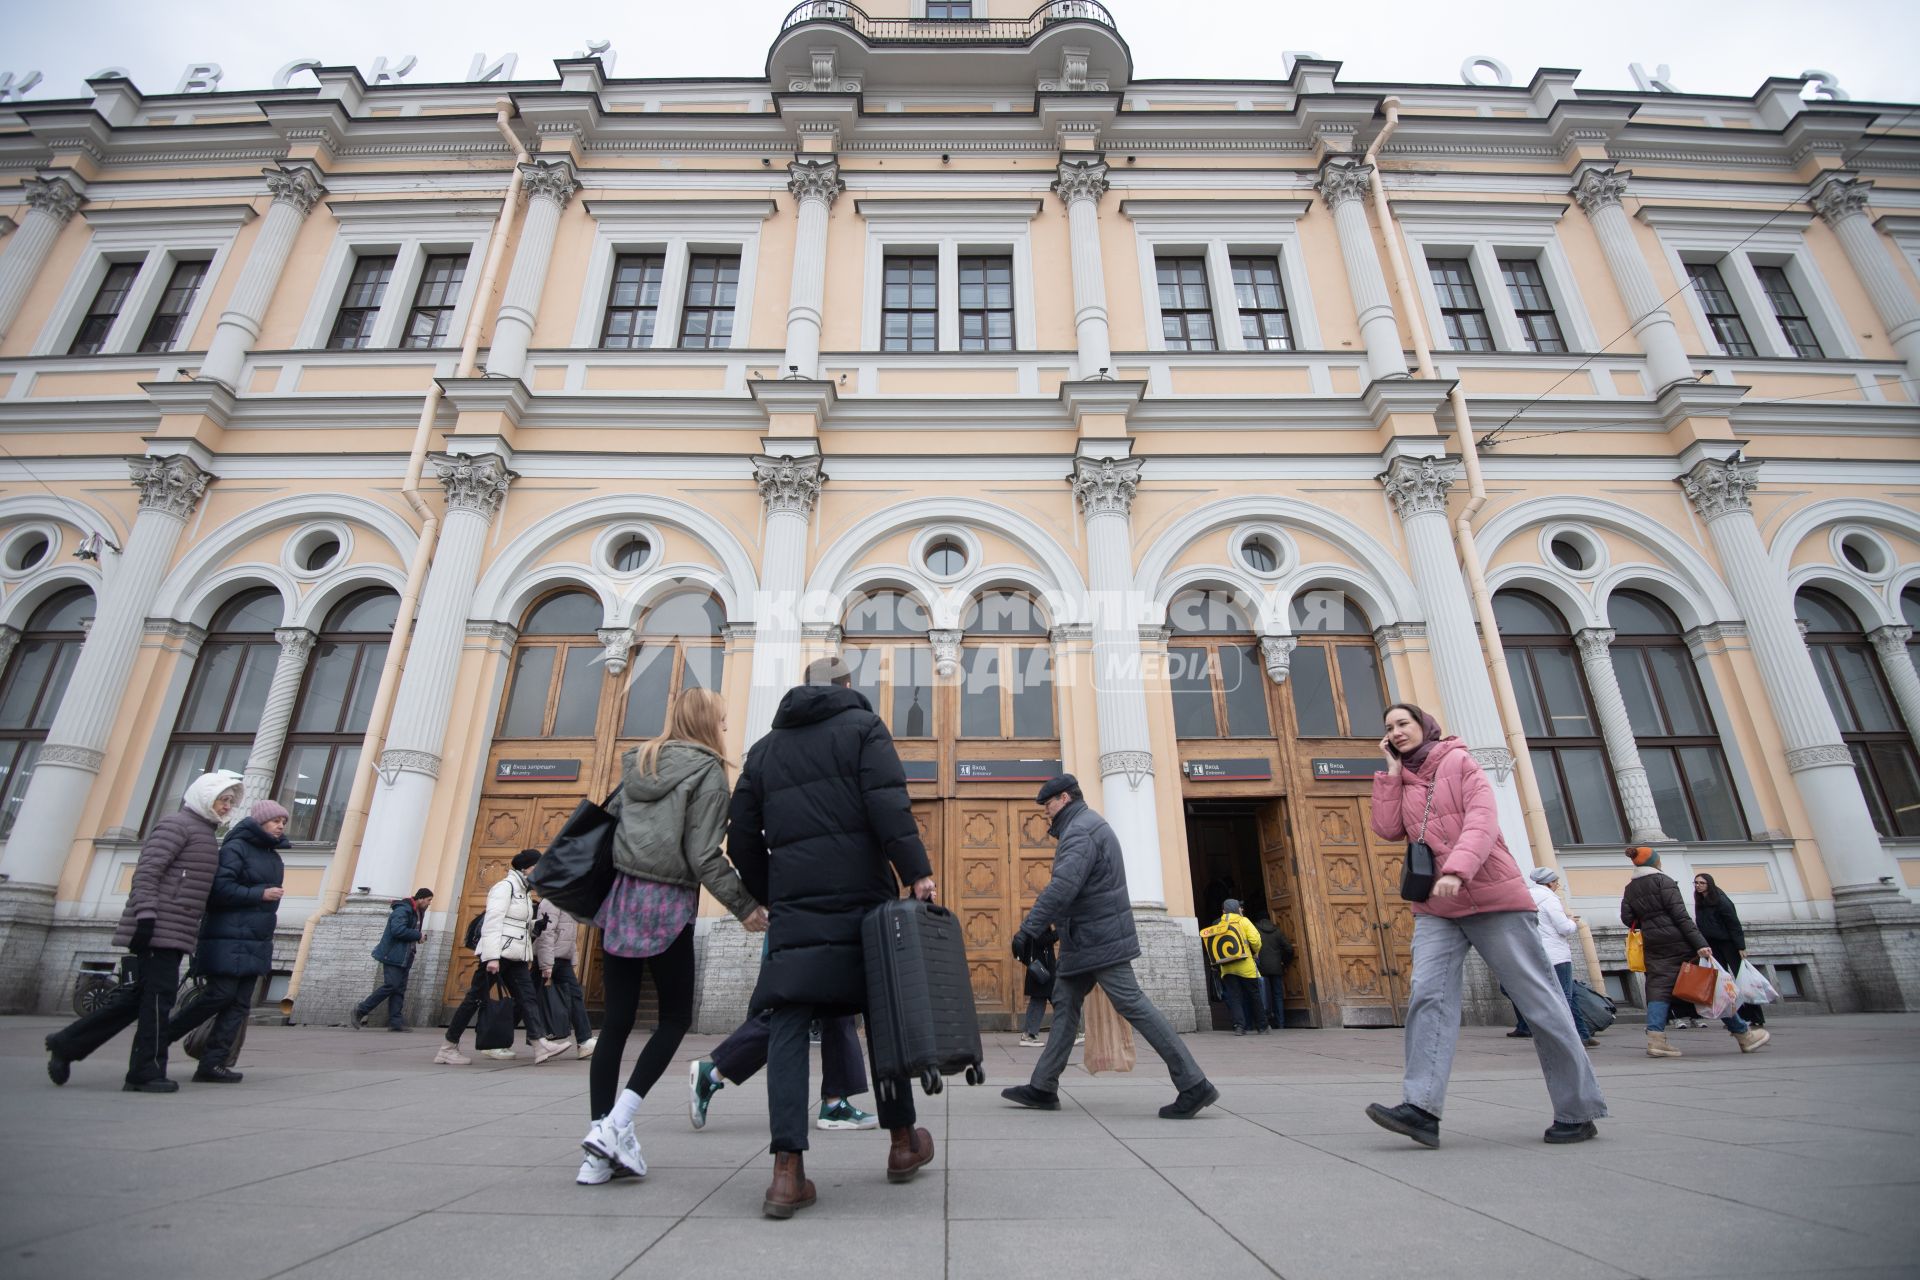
<point x="932" y="907"/>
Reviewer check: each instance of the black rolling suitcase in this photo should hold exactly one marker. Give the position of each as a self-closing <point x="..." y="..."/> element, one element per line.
<point x="920" y="1015"/>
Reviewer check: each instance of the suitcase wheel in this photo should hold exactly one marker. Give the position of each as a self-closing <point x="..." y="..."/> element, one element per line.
<point x="931" y="1081"/>
<point x="976" y="1075"/>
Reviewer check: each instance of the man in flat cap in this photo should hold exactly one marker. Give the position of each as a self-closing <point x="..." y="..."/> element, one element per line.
<point x="1088" y="902"/>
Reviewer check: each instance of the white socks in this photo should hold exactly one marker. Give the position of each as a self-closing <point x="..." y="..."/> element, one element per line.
<point x="625" y="1108"/>
<point x="714" y="1076"/>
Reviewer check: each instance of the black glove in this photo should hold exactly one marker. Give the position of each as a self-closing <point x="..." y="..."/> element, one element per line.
<point x="142" y="935"/>
<point x="1023" y="946"/>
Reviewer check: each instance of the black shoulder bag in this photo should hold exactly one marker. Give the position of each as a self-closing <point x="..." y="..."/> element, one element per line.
<point x="1418" y="873"/>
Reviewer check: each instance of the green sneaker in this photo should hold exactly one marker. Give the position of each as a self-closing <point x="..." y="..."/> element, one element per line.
<point x="844" y="1115"/>
<point x="701" y="1086"/>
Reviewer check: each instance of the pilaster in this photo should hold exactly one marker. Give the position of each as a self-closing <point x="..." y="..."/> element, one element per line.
<point x="550" y="184"/>
<point x="1841" y="200"/>
<point x="1598" y="191"/>
<point x="815" y="184"/>
<point x="294" y="191"/>
<point x="52" y="201"/>
<point x="1080" y="184"/>
<point x="1343" y="185"/>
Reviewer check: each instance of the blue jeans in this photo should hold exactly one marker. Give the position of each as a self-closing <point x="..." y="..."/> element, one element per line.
<point x="1563" y="971"/>
<point x="1657" y="1019"/>
<point x="1273" y="1000"/>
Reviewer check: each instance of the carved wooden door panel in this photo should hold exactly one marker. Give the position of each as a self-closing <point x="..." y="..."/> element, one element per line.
<point x="1357" y="979"/>
<point x="1284" y="903"/>
<point x="1393" y="914"/>
<point x="978" y="884"/>
<point x="505" y="826"/>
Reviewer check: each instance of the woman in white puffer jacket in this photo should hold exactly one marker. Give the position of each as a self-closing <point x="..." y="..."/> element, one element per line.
<point x="506" y="955"/>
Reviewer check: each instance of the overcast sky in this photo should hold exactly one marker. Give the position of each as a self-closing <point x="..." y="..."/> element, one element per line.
<point x="1869" y="45"/>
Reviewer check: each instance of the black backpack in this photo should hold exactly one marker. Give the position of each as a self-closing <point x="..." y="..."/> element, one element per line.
<point x="473" y="930"/>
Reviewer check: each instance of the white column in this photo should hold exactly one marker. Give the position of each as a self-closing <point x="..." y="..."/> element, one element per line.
<point x="1629" y="775"/>
<point x="1842" y="201"/>
<point x="1722" y="492"/>
<point x="1080" y="184"/>
<point x="1598" y="193"/>
<point x="295" y="191"/>
<point x="1418" y="489"/>
<point x="550" y="184"/>
<point x="1895" y="659"/>
<point x="1104" y="488"/>
<point x="1343" y="185"/>
<point x="410" y="763"/>
<point x="170" y="488"/>
<point x="814" y="184"/>
<point x="276" y="714"/>
<point x="50" y="202"/>
<point x="790" y="487"/>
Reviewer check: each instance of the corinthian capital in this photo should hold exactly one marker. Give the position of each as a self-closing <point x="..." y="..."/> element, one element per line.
<point x="1599" y="189"/>
<point x="171" y="485"/>
<point x="815" y="180"/>
<point x="550" y="178"/>
<point x="1840" y="198"/>
<point x="1595" y="643"/>
<point x="477" y="484"/>
<point x="1890" y="642"/>
<point x="1718" y="487"/>
<point x="1105" y="486"/>
<point x="1276" y="654"/>
<point x="55" y="196"/>
<point x="788" y="484"/>
<point x="296" y="643"/>
<point x="946" y="651"/>
<point x="1418" y="485"/>
<point x="1081" y="180"/>
<point x="296" y="186"/>
<point x="1343" y="178"/>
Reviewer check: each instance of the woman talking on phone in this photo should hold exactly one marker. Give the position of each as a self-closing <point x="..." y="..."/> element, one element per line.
<point x="1433" y="791"/>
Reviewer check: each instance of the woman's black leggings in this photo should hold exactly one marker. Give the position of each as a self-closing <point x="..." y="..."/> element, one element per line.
<point x="673" y="976"/>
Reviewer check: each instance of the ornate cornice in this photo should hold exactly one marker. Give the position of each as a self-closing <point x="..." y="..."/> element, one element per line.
<point x="295" y="642"/>
<point x="1081" y="180"/>
<point x="504" y="634"/>
<point x="1418" y="486"/>
<point x="1595" y="643"/>
<point x="56" y="197"/>
<point x="1497" y="761"/>
<point x="1276" y="652"/>
<point x="615" y="644"/>
<point x="1840" y="198"/>
<point x="396" y="761"/>
<point x="477" y="484"/>
<point x="1890" y="642"/>
<point x="296" y="187"/>
<point x="1800" y="759"/>
<point x="1721" y="486"/>
<point x="1137" y="765"/>
<point x="815" y="180"/>
<point x="946" y="651"/>
<point x="1105" y="486"/>
<point x="84" y="758"/>
<point x="1071" y="633"/>
<point x="550" y="178"/>
<point x="185" y="634"/>
<point x="1599" y="189"/>
<point x="1343" y="178"/>
<point x="171" y="485"/>
<point x="789" y="484"/>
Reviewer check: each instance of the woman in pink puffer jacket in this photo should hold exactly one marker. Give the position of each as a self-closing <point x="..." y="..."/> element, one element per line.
<point x="1481" y="901"/>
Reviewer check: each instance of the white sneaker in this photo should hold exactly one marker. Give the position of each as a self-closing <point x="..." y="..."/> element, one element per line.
<point x="498" y="1053"/>
<point x="450" y="1056"/>
<point x="594" y="1171"/>
<point x="1031" y="1042"/>
<point x="544" y="1049"/>
<point x="586" y="1047"/>
<point x="1081" y="1038"/>
<point x="621" y="1145"/>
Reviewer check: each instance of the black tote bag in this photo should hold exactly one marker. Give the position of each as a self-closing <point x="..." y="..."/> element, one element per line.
<point x="493" y="1029"/>
<point x="575" y="874"/>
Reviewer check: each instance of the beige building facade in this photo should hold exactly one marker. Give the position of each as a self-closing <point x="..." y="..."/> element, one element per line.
<point x="1160" y="431"/>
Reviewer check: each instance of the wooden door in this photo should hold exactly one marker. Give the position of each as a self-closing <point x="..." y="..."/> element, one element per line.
<point x="1284" y="905"/>
<point x="1368" y="929"/>
<point x="978" y="879"/>
<point x="506" y="825"/>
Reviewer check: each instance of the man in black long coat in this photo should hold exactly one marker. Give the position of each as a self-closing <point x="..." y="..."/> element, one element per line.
<point x="819" y="829"/>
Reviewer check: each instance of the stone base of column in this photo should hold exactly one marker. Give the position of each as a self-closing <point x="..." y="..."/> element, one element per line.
<point x="1171" y="968"/>
<point x="26" y="914"/>
<point x="1880" y="930"/>
<point x="727" y="964"/>
<point x="341" y="970"/>
<point x="1481" y="1004"/>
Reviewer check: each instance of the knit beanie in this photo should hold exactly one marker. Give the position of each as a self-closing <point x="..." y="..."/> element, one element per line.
<point x="1543" y="875"/>
<point x="265" y="811"/>
<point x="1643" y="856"/>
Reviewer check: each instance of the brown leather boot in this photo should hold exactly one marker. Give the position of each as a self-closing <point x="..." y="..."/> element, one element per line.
<point x="789" y="1192"/>
<point x="911" y="1149"/>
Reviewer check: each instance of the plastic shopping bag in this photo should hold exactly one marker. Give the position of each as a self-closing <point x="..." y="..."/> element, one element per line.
<point x="1726" y="994"/>
<point x="1753" y="986"/>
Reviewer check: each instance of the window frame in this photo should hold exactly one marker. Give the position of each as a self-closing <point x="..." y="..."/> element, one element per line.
<point x="1180" y="264"/>
<point x="178" y="317"/>
<point x="913" y="263"/>
<point x="412" y="231"/>
<point x="371" y="648"/>
<point x="1219" y="231"/>
<point x="1719" y="324"/>
<point x="1859" y="742"/>
<point x="710" y="310"/>
<point x="334" y="340"/>
<point x="156" y="239"/>
<point x="1451" y="305"/>
<point x="1522" y="314"/>
<point x="675" y="230"/>
<point x="986" y="311"/>
<point x="948" y="230"/>
<point x="1781" y="317"/>
<point x="443" y="311"/>
<point x="638" y="309"/>
<point x="17" y="743"/>
<point x="1284" y="310"/>
<point x="1485" y="234"/>
<point x="1736" y="240"/>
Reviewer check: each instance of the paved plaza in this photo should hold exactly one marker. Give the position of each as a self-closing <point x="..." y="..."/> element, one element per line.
<point x="350" y="1155"/>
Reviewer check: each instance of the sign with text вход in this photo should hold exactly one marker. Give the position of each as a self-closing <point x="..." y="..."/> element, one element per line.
<point x="536" y="771"/>
<point x="1005" y="770"/>
<point x="1228" y="769"/>
<point x="1330" y="767"/>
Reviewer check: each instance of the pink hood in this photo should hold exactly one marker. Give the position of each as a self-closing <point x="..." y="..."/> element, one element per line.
<point x="1464" y="831"/>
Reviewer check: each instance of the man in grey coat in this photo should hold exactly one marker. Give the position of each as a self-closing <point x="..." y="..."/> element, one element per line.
<point x="1087" y="902"/>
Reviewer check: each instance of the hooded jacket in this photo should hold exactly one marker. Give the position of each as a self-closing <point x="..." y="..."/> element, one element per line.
<point x="1463" y="831"/>
<point x="559" y="940"/>
<point x="175" y="872"/>
<point x="1087" y="898"/>
<point x="398" y="938"/>
<point x="237" y="938"/>
<point x="822" y="832"/>
<point x="672" y="822"/>
<point x="1275" y="951"/>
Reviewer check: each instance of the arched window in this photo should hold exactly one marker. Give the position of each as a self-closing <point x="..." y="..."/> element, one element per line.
<point x="1576" y="780"/>
<point x="680" y="648"/>
<point x="36" y="677"/>
<point x="1006" y="688"/>
<point x="558" y="669"/>
<point x="336" y="697"/>
<point x="886" y="635"/>
<point x="221" y="711"/>
<point x="1870" y="723"/>
<point x="1672" y="723"/>
<point x="1214" y="668"/>
<point x="1334" y="677"/>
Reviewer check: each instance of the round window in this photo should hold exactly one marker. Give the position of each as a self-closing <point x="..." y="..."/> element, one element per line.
<point x="1259" y="555"/>
<point x="1571" y="554"/>
<point x="28" y="552"/>
<point x="946" y="557"/>
<point x="320" y="555"/>
<point x="1862" y="553"/>
<point x="631" y="554"/>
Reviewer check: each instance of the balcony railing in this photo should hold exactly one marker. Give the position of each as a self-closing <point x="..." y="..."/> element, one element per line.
<point x="948" y="30"/>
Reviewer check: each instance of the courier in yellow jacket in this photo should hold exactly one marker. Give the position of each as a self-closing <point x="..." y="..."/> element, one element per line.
<point x="1237" y="924"/>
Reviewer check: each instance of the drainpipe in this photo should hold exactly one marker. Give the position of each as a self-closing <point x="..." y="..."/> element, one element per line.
<point x="359" y="800"/>
<point x="1508" y="705"/>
